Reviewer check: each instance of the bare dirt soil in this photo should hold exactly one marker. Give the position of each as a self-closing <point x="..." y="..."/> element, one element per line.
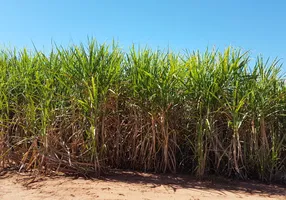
<point x="132" y="185"/>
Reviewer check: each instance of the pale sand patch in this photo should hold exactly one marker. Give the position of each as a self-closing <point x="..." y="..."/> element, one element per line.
<point x="131" y="185"/>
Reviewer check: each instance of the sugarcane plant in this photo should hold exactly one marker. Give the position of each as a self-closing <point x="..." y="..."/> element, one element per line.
<point x="92" y="107"/>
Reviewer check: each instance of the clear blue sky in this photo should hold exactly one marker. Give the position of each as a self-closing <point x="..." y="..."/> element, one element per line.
<point x="255" y="25"/>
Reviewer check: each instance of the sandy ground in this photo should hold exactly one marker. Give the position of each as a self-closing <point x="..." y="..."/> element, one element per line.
<point x="131" y="185"/>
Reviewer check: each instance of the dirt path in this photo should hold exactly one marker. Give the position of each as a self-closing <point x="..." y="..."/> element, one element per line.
<point x="130" y="185"/>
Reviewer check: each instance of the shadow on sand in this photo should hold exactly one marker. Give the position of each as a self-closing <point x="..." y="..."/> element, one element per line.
<point x="176" y="181"/>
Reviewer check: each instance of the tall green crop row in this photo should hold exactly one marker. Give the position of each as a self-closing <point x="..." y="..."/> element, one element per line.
<point x="88" y="108"/>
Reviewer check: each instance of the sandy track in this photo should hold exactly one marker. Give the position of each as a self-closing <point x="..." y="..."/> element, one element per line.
<point x="131" y="185"/>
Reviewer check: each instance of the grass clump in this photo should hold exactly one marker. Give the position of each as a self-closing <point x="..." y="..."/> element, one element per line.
<point x="85" y="109"/>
